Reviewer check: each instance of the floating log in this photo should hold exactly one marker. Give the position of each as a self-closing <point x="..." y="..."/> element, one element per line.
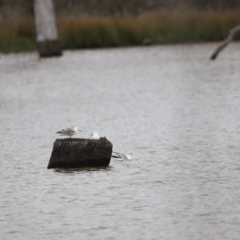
<point x="80" y="153"/>
<point x="47" y="36"/>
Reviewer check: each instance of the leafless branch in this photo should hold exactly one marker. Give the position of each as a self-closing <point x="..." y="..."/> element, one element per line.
<point x="230" y="37"/>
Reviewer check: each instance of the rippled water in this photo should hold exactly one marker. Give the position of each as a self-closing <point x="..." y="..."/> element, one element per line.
<point x="174" y="109"/>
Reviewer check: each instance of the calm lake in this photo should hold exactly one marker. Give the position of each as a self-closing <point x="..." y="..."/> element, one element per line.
<point x="173" y="108"/>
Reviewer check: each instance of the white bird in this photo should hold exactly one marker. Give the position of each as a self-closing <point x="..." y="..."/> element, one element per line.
<point x="69" y="131"/>
<point x="121" y="155"/>
<point x="95" y="136"/>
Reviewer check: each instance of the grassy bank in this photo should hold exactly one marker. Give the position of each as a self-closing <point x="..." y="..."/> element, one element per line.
<point x="17" y="36"/>
<point x="96" y="32"/>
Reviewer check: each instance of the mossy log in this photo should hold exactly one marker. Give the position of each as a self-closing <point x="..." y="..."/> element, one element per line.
<point x="80" y="153"/>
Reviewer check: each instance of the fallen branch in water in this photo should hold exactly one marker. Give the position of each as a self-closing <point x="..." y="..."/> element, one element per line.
<point x="230" y="37"/>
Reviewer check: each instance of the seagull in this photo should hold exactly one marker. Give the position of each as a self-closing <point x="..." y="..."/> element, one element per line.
<point x="120" y="155"/>
<point x="69" y="131"/>
<point x="95" y="136"/>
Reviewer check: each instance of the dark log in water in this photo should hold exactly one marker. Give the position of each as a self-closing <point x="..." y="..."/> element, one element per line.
<point x="49" y="48"/>
<point x="79" y="153"/>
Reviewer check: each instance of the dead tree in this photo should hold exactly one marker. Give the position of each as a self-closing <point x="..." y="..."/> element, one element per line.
<point x="232" y="34"/>
<point x="46" y="31"/>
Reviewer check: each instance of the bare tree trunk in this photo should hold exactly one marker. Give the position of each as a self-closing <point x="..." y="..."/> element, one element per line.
<point x="230" y="37"/>
<point x="46" y="31"/>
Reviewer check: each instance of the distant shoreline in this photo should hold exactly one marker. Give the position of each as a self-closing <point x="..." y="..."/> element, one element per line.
<point x="102" y="32"/>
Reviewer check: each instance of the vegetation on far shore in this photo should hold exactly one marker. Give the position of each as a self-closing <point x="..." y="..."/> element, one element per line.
<point x="98" y="32"/>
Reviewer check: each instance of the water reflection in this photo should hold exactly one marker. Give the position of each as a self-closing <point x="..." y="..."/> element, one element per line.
<point x="75" y="170"/>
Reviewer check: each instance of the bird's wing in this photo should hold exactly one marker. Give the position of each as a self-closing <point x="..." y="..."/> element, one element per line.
<point x="116" y="155"/>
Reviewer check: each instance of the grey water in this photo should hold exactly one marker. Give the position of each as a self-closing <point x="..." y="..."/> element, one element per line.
<point x="175" y="110"/>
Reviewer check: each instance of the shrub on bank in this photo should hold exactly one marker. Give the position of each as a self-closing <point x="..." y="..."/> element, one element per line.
<point x="97" y="32"/>
<point x="17" y="36"/>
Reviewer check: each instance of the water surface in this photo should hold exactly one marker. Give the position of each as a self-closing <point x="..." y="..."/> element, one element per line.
<point x="174" y="109"/>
